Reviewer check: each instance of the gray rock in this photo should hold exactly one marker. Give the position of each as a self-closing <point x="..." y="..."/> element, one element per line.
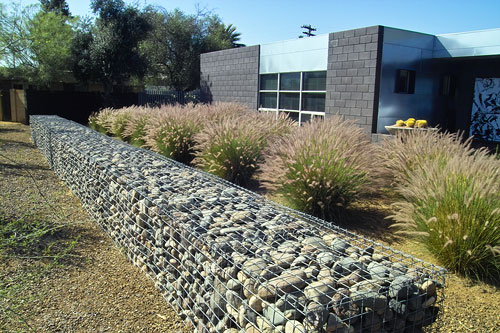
<point x="288" y="281"/>
<point x="233" y="298"/>
<point x="282" y="259"/>
<point x="321" y="291"/>
<point x="274" y="315"/>
<point x="333" y="323"/>
<point x="234" y="285"/>
<point x="370" y="299"/>
<point x="326" y="258"/>
<point x="402" y="287"/>
<point x="253" y="267"/>
<point x="289" y="302"/>
<point x="316" y="317"/>
<point x="377" y="270"/>
<point x="339" y="245"/>
<point x="315" y="242"/>
<point x="270" y="272"/>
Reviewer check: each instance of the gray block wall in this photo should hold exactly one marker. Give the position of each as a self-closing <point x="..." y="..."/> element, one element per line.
<point x="353" y="69"/>
<point x="231" y="76"/>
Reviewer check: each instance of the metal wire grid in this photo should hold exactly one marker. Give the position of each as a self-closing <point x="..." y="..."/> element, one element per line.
<point x="159" y="211"/>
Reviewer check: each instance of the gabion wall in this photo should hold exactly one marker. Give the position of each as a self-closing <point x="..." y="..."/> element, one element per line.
<point x="229" y="260"/>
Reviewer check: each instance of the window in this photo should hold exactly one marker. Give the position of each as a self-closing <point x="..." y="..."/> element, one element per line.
<point x="405" y="81"/>
<point x="300" y="95"/>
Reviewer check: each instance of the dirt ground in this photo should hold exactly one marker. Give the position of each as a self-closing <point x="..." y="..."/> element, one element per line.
<point x="95" y="289"/>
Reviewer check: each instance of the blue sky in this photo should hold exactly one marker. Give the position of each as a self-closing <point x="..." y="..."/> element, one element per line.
<point x="261" y="22"/>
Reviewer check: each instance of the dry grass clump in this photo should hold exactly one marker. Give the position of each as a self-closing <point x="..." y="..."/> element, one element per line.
<point x="322" y="167"/>
<point x="231" y="146"/>
<point x="101" y="121"/>
<point x="414" y="150"/>
<point x="220" y="110"/>
<point x="135" y="128"/>
<point x="171" y="133"/>
<point x="450" y="200"/>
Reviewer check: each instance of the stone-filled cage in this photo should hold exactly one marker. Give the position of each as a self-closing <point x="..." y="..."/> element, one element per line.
<point x="230" y="260"/>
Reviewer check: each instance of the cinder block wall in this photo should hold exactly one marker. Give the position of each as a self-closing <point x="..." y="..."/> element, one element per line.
<point x="231" y="76"/>
<point x="353" y="69"/>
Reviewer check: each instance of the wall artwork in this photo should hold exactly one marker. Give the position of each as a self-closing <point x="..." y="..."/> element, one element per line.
<point x="485" y="118"/>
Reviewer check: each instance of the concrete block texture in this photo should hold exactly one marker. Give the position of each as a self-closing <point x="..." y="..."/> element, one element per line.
<point x="231" y="75"/>
<point x="354" y="74"/>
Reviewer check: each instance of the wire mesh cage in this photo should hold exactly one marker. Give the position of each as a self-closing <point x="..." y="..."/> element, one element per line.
<point x="230" y="260"/>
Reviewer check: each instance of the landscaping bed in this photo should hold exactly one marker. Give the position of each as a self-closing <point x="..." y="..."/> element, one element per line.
<point x="229" y="259"/>
<point x="121" y="290"/>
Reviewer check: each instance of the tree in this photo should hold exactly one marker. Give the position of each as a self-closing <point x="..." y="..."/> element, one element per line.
<point x="107" y="52"/>
<point x="221" y="37"/>
<point x="51" y="36"/>
<point x="34" y="45"/>
<point x="174" y="45"/>
<point x="56" y="6"/>
<point x="173" y="48"/>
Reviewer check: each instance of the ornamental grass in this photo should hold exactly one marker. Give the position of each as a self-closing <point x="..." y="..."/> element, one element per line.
<point x="117" y="121"/>
<point x="322" y="167"/>
<point x="171" y="132"/>
<point x="231" y="146"/>
<point x="449" y="200"/>
<point x="135" y="131"/>
<point x="100" y="121"/>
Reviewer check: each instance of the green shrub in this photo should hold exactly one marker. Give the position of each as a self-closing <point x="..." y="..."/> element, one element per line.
<point x="450" y="200"/>
<point x="172" y="132"/>
<point x="321" y="168"/>
<point x="231" y="146"/>
<point x="135" y="131"/>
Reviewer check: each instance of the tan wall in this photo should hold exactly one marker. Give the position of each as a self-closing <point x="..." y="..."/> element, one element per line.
<point x="17" y="106"/>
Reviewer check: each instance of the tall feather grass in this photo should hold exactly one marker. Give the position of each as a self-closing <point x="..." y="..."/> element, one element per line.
<point x="450" y="200"/>
<point x="322" y="167"/>
<point x="135" y="130"/>
<point x="231" y="146"/>
<point x="172" y="131"/>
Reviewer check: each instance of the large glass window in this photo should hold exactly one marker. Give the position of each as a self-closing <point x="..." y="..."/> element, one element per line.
<point x="313" y="102"/>
<point x="301" y="95"/>
<point x="269" y="82"/>
<point x="289" y="101"/>
<point x="268" y="100"/>
<point x="290" y="81"/>
<point x="314" y="81"/>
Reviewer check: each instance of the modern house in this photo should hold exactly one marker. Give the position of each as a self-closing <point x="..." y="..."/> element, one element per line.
<point x="374" y="75"/>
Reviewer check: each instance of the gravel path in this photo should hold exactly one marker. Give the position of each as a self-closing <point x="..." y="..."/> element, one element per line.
<point x="96" y="289"/>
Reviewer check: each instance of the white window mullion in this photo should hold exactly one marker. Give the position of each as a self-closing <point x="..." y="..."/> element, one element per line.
<point x="278" y="96"/>
<point x="300" y="98"/>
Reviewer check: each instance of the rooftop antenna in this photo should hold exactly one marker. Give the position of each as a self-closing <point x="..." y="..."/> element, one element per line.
<point x="309" y="31"/>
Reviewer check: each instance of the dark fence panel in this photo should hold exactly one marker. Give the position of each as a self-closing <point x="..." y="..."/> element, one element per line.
<point x="159" y="97"/>
<point x="74" y="105"/>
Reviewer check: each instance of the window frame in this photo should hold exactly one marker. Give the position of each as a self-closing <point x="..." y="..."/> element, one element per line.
<point x="300" y="92"/>
<point x="410" y="80"/>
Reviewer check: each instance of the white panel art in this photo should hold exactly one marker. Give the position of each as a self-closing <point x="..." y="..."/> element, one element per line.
<point x="485" y="118"/>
